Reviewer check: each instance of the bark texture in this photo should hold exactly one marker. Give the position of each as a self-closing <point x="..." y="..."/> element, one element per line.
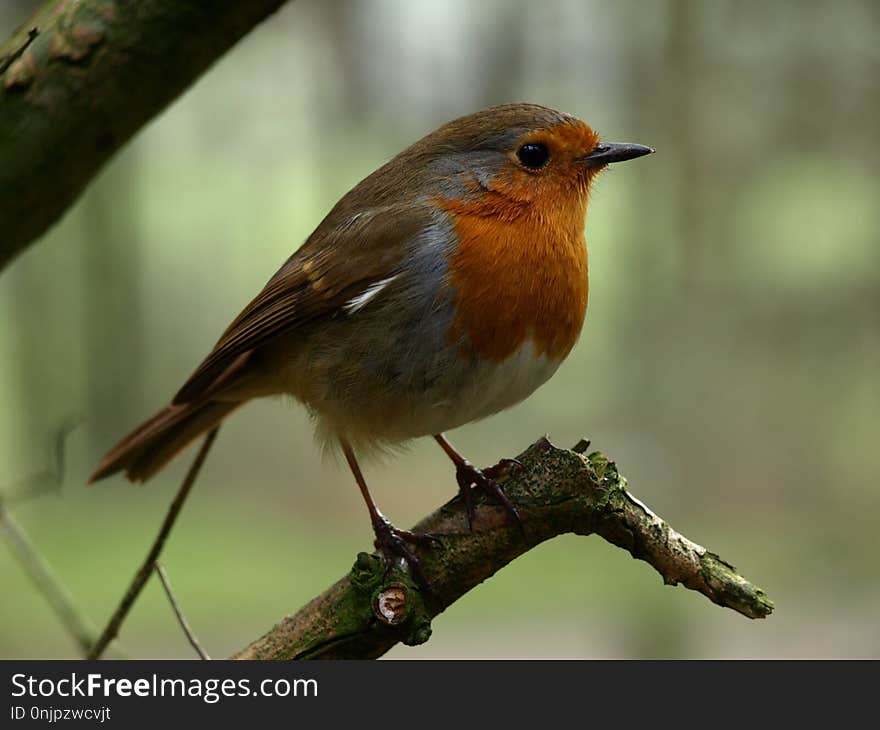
<point x="80" y="78"/>
<point x="558" y="491"/>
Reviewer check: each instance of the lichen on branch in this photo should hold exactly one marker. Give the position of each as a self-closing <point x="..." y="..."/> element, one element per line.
<point x="557" y="491"/>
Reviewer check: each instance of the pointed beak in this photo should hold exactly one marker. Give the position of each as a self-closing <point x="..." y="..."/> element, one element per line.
<point x="607" y="152"/>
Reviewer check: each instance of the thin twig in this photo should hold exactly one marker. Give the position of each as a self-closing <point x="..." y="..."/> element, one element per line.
<point x="33" y="563"/>
<point x="44" y="578"/>
<point x="146" y="570"/>
<point x="181" y="619"/>
<point x="7" y="61"/>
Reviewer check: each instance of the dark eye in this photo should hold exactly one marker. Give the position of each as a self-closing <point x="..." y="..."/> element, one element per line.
<point x="533" y="155"/>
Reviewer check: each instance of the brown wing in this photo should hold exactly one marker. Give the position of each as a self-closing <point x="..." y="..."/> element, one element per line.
<point x="337" y="263"/>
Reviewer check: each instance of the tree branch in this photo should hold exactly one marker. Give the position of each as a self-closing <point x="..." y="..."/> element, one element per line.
<point x="66" y="92"/>
<point x="35" y="565"/>
<point x="178" y="612"/>
<point x="146" y="570"/>
<point x="46" y="582"/>
<point x="557" y="491"/>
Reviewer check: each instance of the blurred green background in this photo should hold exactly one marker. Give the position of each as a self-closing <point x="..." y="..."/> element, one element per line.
<point x="729" y="362"/>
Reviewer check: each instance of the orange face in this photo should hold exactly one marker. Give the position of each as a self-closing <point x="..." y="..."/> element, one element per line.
<point x="546" y="166"/>
<point x="520" y="270"/>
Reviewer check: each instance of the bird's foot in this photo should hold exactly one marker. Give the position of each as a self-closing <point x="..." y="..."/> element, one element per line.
<point x="466" y="474"/>
<point x="394" y="543"/>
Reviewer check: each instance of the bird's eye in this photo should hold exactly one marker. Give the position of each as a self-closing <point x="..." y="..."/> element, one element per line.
<point x="533" y="155"/>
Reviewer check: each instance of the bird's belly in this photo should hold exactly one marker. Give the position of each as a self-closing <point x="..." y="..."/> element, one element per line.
<point x="378" y="387"/>
<point x="483" y="387"/>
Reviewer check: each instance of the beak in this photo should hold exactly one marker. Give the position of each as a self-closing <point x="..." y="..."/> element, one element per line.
<point x="607" y="152"/>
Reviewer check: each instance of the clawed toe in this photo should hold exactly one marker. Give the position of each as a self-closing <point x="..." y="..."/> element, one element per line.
<point x="466" y="474"/>
<point x="394" y="543"/>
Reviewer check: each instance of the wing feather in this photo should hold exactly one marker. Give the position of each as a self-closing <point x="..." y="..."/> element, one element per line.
<point x="340" y="261"/>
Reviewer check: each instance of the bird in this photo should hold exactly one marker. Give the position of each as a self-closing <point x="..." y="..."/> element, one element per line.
<point x="445" y="287"/>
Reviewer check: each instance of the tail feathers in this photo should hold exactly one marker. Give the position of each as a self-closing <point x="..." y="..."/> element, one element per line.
<point x="154" y="443"/>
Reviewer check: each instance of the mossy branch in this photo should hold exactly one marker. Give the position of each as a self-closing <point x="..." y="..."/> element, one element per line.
<point x="81" y="77"/>
<point x="558" y="491"/>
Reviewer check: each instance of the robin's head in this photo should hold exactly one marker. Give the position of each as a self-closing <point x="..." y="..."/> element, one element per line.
<point x="523" y="152"/>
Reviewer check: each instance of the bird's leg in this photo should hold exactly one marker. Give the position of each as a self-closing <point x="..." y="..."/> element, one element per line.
<point x="466" y="474"/>
<point x="390" y="541"/>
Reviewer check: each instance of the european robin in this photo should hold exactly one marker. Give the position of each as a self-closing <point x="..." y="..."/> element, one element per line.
<point x="446" y="286"/>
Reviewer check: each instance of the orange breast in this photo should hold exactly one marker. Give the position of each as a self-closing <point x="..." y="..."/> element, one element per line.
<point x="518" y="273"/>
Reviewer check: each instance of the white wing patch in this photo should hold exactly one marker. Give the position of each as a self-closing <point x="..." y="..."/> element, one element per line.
<point x="360" y="301"/>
